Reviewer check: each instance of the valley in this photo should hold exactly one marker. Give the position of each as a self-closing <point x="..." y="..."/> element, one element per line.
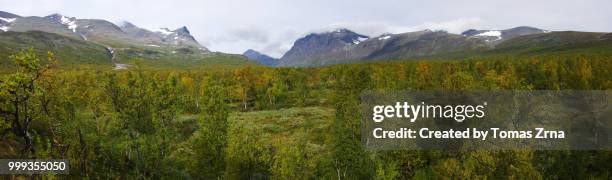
<point x="118" y="101"/>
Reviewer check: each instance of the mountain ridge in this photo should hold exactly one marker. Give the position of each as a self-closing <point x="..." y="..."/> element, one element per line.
<point x="321" y="47"/>
<point x="334" y="47"/>
<point x="342" y="46"/>
<point x="495" y="37"/>
<point x="128" y="41"/>
<point x="109" y="44"/>
<point x="99" y="30"/>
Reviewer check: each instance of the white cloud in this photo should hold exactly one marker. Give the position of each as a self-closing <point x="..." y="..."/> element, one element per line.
<point x="453" y="26"/>
<point x="274" y="42"/>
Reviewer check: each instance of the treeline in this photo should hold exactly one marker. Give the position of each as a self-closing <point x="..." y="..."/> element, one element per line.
<point x="150" y="124"/>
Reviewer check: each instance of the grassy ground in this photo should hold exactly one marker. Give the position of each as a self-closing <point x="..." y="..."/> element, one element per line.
<point x="278" y="142"/>
<point x="270" y="127"/>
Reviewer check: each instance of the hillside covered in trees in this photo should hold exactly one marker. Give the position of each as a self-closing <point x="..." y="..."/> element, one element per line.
<point x="257" y="122"/>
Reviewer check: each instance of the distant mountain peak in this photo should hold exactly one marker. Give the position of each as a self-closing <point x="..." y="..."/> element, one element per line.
<point x="182" y="30"/>
<point x="54" y="15"/>
<point x="163" y="31"/>
<point x="346" y="46"/>
<point x="250" y="51"/>
<point x="121" y="33"/>
<point x="469" y="32"/>
<point x="342" y="30"/>
<point x="260" y="57"/>
<point x="167" y="32"/>
<point x="345" y="35"/>
<point x="59" y="17"/>
<point x="525" y="27"/>
<point x="69" y="22"/>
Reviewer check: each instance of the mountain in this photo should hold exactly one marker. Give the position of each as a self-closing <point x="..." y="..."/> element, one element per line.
<point x="73" y="52"/>
<point x="497" y="36"/>
<point x="342" y="46"/>
<point x="181" y="36"/>
<point x="7" y="15"/>
<point x="125" y="42"/>
<point x="162" y="36"/>
<point x="557" y="43"/>
<point x="425" y="43"/>
<point x="552" y="39"/>
<point x="261" y="58"/>
<point x="139" y="33"/>
<point x="5" y="19"/>
<point x="101" y="31"/>
<point x="44" y="24"/>
<point x="322" y="48"/>
<point x="72" y="39"/>
<point x="345" y="46"/>
<point x="69" y="51"/>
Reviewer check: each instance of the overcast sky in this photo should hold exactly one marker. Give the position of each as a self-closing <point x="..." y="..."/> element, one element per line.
<point x="271" y="26"/>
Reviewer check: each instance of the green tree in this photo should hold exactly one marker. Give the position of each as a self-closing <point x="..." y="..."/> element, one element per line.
<point x="166" y="103"/>
<point x="349" y="159"/>
<point x="292" y="161"/>
<point x="211" y="141"/>
<point x="20" y="95"/>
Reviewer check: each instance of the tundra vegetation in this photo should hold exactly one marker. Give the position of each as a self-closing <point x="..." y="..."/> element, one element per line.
<point x="257" y="122"/>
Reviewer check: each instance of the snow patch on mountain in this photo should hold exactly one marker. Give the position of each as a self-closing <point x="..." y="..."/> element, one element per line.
<point x="496" y="34"/>
<point x="384" y="37"/>
<point x="5" y="26"/>
<point x="8" y="19"/>
<point x="164" y="31"/>
<point x="69" y="22"/>
<point x="359" y="40"/>
<point x="490" y="33"/>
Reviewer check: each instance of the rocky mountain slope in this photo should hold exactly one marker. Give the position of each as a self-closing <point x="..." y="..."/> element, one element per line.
<point x="101" y="31"/>
<point x="69" y="51"/>
<point x="97" y="41"/>
<point x="497" y="36"/>
<point x="126" y="42"/>
<point x="343" y="46"/>
<point x="323" y="48"/>
<point x="261" y="58"/>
